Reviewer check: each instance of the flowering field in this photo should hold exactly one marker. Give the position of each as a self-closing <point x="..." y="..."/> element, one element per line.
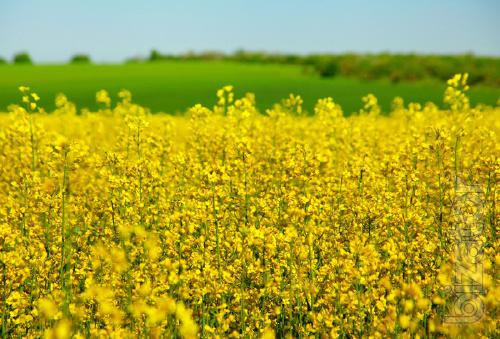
<point x="233" y="222"/>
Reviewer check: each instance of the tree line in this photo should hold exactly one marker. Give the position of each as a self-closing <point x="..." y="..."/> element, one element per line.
<point x="393" y="67"/>
<point x="25" y="59"/>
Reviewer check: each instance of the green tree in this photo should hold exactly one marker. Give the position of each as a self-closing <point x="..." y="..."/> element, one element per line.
<point x="80" y="59"/>
<point x="155" y="55"/>
<point x="22" y="58"/>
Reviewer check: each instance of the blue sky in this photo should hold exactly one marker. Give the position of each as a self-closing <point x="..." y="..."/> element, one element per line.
<point x="53" y="30"/>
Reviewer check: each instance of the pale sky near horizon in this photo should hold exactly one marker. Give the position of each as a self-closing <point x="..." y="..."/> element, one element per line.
<point x="111" y="31"/>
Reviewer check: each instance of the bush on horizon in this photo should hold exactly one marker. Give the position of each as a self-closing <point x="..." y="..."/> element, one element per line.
<point x="22" y="58"/>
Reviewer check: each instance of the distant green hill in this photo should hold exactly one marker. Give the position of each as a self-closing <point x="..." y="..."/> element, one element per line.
<point x="173" y="86"/>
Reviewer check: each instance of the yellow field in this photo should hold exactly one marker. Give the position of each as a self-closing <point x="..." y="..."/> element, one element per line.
<point x="228" y="222"/>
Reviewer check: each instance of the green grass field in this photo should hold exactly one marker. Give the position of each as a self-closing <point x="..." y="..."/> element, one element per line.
<point x="173" y="86"/>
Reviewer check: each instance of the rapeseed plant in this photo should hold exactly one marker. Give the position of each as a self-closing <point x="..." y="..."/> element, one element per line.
<point x="229" y="223"/>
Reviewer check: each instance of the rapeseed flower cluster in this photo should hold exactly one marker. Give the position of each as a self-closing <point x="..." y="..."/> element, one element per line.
<point x="231" y="223"/>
